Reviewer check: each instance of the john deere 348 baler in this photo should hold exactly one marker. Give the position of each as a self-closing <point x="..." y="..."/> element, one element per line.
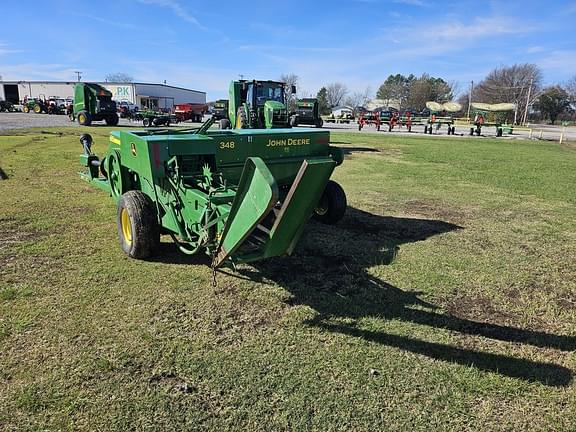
<point x="240" y="195"/>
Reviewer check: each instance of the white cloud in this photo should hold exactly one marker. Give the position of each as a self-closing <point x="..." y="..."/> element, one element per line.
<point x="559" y="62"/>
<point x="5" y="49"/>
<point x="99" y="19"/>
<point x="177" y="9"/>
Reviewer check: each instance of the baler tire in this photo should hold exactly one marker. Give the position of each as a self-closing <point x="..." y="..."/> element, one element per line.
<point x="137" y="222"/>
<point x="112" y="120"/>
<point x="84" y="118"/>
<point x="224" y="123"/>
<point x="332" y="205"/>
<point x="146" y="122"/>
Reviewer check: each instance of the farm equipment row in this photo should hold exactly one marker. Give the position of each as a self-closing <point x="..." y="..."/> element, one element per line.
<point x="50" y="105"/>
<point x="435" y="116"/>
<point x="438" y="115"/>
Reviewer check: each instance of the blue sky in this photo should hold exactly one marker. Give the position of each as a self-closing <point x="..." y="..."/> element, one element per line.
<point x="204" y="44"/>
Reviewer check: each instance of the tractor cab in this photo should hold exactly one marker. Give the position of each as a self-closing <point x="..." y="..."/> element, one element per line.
<point x="258" y="104"/>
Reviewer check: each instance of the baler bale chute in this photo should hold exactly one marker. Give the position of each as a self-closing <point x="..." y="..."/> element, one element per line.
<point x="491" y="115"/>
<point x="241" y="195"/>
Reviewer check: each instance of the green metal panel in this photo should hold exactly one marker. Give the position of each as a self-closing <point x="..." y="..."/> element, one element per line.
<point x="257" y="194"/>
<point x="298" y="205"/>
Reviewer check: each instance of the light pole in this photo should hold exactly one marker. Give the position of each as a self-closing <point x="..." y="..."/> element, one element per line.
<point x="470" y="97"/>
<point x="527" y="102"/>
<point x="79" y="75"/>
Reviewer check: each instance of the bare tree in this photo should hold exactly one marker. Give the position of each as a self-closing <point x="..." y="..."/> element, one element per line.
<point x="335" y="93"/>
<point x="120" y="77"/>
<point x="358" y="99"/>
<point x="570" y="88"/>
<point x="510" y="84"/>
<point x="290" y="80"/>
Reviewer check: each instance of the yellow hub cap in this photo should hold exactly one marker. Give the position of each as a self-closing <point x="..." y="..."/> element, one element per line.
<point x="81" y="118"/>
<point x="126" y="226"/>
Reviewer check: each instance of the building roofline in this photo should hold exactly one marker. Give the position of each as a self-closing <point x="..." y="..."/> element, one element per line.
<point x="97" y="82"/>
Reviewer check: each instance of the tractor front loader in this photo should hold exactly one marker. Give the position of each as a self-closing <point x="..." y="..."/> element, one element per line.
<point x="240" y="195"/>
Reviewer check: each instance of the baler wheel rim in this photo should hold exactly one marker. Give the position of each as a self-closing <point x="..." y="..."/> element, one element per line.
<point x="126" y="225"/>
<point x="322" y="207"/>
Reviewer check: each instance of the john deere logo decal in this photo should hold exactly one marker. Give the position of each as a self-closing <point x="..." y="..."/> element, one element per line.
<point x="133" y="148"/>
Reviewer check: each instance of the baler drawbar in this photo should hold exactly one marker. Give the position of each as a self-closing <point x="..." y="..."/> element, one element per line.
<point x="241" y="195"/>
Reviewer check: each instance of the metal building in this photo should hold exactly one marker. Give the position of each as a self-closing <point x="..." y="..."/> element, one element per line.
<point x="144" y="95"/>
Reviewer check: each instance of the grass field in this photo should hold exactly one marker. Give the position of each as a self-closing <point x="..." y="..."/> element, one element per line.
<point x="445" y="300"/>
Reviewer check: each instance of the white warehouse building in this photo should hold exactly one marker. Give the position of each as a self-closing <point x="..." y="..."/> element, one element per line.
<point x="144" y="95"/>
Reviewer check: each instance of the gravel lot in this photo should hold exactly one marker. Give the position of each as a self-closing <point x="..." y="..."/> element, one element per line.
<point x="22" y="120"/>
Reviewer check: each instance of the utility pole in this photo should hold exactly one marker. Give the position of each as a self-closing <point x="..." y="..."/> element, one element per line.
<point x="470" y="97"/>
<point x="527" y="102"/>
<point x="79" y="75"/>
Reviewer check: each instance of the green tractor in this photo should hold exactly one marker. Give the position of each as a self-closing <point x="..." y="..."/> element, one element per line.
<point x="92" y="102"/>
<point x="307" y="113"/>
<point x="258" y="105"/>
<point x="35" y="105"/>
<point x="239" y="195"/>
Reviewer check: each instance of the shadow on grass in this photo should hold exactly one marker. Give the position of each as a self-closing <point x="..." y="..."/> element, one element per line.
<point x="328" y="272"/>
<point x="350" y="150"/>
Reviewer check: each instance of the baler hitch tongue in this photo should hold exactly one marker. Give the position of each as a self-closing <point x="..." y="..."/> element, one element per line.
<point x="256" y="228"/>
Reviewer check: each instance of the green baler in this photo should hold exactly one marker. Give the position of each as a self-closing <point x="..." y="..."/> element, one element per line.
<point x="92" y="102"/>
<point x="241" y="195"/>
